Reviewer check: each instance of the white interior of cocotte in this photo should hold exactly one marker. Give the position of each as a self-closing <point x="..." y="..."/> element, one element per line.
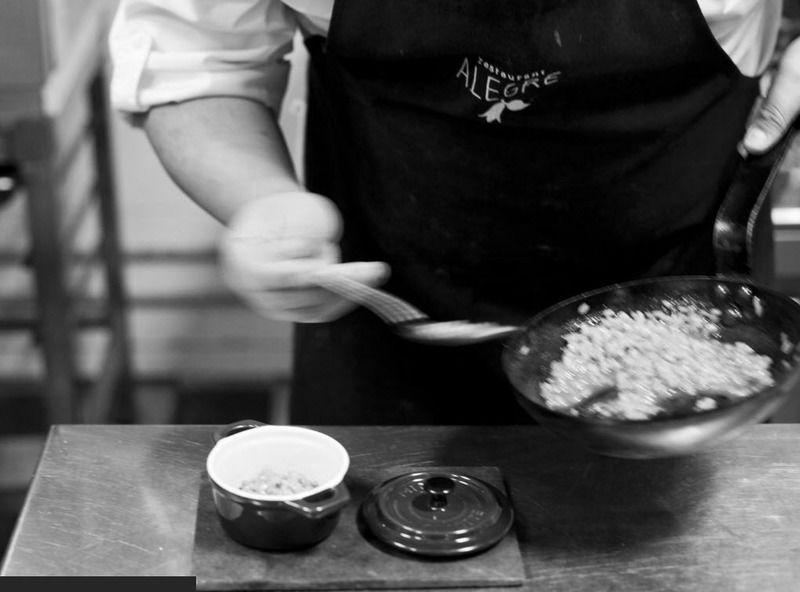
<point x="244" y="455"/>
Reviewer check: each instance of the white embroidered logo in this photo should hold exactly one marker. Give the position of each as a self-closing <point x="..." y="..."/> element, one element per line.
<point x="494" y="112"/>
<point x="500" y="89"/>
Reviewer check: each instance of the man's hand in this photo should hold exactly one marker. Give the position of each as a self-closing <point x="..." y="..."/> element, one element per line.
<point x="781" y="105"/>
<point x="274" y="244"/>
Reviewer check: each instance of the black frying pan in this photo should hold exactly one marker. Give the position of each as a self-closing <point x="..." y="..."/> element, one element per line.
<point x="766" y="320"/>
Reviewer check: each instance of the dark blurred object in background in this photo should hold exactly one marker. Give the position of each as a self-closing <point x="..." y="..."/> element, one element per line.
<point x="9" y="182"/>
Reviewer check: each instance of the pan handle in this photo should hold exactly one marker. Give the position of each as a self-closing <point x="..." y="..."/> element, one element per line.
<point x="736" y="217"/>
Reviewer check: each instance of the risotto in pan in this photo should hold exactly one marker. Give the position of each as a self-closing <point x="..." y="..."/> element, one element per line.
<point x="269" y="482"/>
<point x="647" y="358"/>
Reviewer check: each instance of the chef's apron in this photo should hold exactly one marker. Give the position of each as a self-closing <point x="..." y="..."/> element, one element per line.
<point x="502" y="156"/>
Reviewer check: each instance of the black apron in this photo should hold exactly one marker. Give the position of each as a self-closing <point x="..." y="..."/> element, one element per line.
<point x="502" y="156"/>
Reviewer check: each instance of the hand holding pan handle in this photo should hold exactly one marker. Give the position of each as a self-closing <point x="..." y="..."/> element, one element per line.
<point x="735" y="221"/>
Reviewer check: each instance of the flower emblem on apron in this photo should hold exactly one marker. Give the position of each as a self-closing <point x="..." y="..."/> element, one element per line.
<point x="494" y="112"/>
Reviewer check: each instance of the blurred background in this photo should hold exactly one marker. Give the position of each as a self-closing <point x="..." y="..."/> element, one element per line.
<point x="111" y="304"/>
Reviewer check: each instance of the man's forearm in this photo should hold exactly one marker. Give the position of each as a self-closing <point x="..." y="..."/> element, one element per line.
<point x="222" y="151"/>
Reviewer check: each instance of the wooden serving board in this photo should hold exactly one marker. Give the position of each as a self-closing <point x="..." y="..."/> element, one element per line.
<point x="346" y="560"/>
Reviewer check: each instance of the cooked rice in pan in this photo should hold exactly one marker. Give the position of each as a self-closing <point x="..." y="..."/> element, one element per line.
<point x="650" y="357"/>
<point x="269" y="482"/>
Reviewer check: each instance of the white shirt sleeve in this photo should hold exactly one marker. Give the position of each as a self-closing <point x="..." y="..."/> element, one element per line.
<point x="166" y="51"/>
<point x="746" y="29"/>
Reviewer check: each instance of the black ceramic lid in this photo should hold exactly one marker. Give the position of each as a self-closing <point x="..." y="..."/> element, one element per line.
<point x="437" y="513"/>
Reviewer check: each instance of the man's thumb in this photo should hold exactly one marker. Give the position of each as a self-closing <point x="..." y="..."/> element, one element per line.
<point x="766" y="129"/>
<point x="780" y="106"/>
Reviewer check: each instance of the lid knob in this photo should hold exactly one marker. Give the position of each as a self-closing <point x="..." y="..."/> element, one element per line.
<point x="439" y="487"/>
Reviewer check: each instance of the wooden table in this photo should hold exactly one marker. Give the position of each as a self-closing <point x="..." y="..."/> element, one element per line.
<point x="121" y="500"/>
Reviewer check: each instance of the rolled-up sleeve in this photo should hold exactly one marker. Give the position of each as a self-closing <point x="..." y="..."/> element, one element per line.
<point x="165" y="51"/>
